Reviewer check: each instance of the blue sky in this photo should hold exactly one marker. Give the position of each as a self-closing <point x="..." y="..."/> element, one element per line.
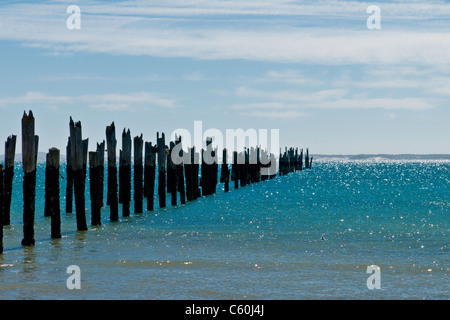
<point x="311" y="69"/>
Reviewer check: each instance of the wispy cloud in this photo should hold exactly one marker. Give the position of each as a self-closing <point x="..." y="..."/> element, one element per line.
<point x="111" y="102"/>
<point x="202" y="30"/>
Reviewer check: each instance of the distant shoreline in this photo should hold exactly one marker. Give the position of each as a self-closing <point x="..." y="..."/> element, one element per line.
<point x="319" y="157"/>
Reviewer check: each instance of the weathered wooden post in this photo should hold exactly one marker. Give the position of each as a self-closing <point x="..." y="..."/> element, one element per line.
<point x="52" y="191"/>
<point x="10" y="152"/>
<point x="111" y="145"/>
<point x="29" y="167"/>
<point x="161" y="145"/>
<point x="125" y="172"/>
<point x="101" y="162"/>
<point x="301" y="159"/>
<point x="85" y="157"/>
<point x="94" y="178"/>
<point x="242" y="168"/>
<point x="235" y="170"/>
<point x="77" y="154"/>
<point x="188" y="174"/>
<point x="307" y="159"/>
<point x="225" y="172"/>
<point x="180" y="174"/>
<point x="171" y="176"/>
<point x="149" y="175"/>
<point x="195" y="164"/>
<point x="69" y="178"/>
<point x="2" y="196"/>
<point x="138" y="174"/>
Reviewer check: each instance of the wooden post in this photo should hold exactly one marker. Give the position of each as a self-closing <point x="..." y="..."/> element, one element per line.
<point x="235" y="170"/>
<point x="101" y="163"/>
<point x="111" y="145"/>
<point x="85" y="156"/>
<point x="225" y="172"/>
<point x="52" y="191"/>
<point x="195" y="160"/>
<point x="171" y="176"/>
<point x="161" y="145"/>
<point x="301" y="159"/>
<point x="29" y="167"/>
<point x="69" y="178"/>
<point x="307" y="159"/>
<point x="46" y="193"/>
<point x="10" y="152"/>
<point x="138" y="174"/>
<point x="94" y="178"/>
<point x="2" y="194"/>
<point x="180" y="174"/>
<point x="149" y="174"/>
<point x="125" y="172"/>
<point x="188" y="175"/>
<point x="77" y="154"/>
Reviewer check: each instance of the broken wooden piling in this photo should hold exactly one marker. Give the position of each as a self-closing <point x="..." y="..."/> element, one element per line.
<point x="235" y="170"/>
<point x="138" y="174"/>
<point x="125" y="173"/>
<point x="2" y="196"/>
<point x="29" y="152"/>
<point x="69" y="178"/>
<point x="52" y="191"/>
<point x="111" y="146"/>
<point x="149" y="174"/>
<point x="101" y="163"/>
<point x="225" y="172"/>
<point x="94" y="186"/>
<point x="171" y="176"/>
<point x="78" y="154"/>
<point x="161" y="145"/>
<point x="10" y="152"/>
<point x="180" y="173"/>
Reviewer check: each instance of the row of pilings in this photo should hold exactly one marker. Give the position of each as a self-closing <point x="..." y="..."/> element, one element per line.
<point x="192" y="175"/>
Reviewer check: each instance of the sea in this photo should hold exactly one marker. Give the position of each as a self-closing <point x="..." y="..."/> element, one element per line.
<point x="369" y="229"/>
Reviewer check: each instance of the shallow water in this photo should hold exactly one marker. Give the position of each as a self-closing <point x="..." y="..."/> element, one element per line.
<point x="307" y="235"/>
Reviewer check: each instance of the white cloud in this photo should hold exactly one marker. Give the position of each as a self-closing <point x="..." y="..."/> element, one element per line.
<point x="112" y="101"/>
<point x="259" y="30"/>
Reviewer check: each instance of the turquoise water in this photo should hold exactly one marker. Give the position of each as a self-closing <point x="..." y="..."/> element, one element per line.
<point x="307" y="235"/>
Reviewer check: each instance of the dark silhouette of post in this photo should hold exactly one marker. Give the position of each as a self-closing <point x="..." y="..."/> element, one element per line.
<point x="94" y="178"/>
<point x="125" y="173"/>
<point x="29" y="152"/>
<point x="161" y="145"/>
<point x="138" y="174"/>
<point x="149" y="175"/>
<point x="188" y="175"/>
<point x="180" y="174"/>
<point x="225" y="172"/>
<point x="2" y="196"/>
<point x="171" y="176"/>
<point x="101" y="163"/>
<point x="10" y="152"/>
<point x="69" y="178"/>
<point x="77" y="154"/>
<point x="235" y="170"/>
<point x="52" y="192"/>
<point x="111" y="145"/>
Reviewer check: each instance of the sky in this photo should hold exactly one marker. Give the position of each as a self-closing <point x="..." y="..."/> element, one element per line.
<point x="314" y="70"/>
